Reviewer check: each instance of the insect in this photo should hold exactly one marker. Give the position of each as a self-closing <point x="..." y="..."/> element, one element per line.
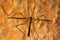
<point x="30" y="19"/>
<point x="31" y="12"/>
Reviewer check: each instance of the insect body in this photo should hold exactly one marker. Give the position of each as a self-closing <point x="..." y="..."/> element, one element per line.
<point x="29" y="26"/>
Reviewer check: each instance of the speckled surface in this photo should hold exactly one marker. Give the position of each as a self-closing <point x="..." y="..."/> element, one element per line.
<point x="17" y="29"/>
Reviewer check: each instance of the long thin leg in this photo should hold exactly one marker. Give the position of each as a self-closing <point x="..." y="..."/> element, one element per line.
<point x="33" y="11"/>
<point x="16" y="14"/>
<point x="47" y="20"/>
<point x="17" y="18"/>
<point x="20" y="30"/>
<point x="28" y="7"/>
<point x="21" y="24"/>
<point x="35" y="30"/>
<point x="22" y="15"/>
<point x="39" y="17"/>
